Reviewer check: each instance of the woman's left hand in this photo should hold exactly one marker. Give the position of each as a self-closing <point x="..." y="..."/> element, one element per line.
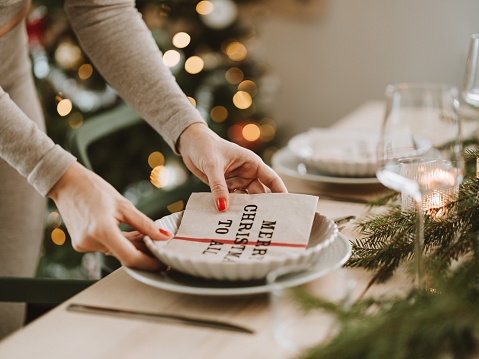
<point x="224" y="165"/>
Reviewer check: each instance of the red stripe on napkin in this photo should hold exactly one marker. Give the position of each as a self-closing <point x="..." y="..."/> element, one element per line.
<point x="229" y="241"/>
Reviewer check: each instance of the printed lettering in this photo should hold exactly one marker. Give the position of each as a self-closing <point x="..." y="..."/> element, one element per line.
<point x="213" y="248"/>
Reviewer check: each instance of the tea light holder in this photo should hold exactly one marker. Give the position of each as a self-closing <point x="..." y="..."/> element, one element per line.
<point x="437" y="182"/>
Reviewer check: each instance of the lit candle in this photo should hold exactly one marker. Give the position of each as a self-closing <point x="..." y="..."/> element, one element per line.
<point x="436" y="179"/>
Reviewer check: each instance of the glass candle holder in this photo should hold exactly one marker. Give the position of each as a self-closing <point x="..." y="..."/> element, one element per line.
<point x="437" y="179"/>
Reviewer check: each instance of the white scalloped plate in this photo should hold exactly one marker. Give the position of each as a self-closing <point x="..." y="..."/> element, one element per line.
<point x="323" y="232"/>
<point x="285" y="162"/>
<point x="330" y="259"/>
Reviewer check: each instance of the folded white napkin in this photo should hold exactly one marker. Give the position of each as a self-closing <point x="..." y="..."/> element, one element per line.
<point x="253" y="228"/>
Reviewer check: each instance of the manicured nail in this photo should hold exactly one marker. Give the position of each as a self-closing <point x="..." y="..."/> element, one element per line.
<point x="221" y="204"/>
<point x="166" y="233"/>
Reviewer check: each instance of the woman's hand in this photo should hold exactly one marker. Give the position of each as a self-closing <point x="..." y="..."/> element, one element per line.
<point x="225" y="166"/>
<point x="92" y="211"/>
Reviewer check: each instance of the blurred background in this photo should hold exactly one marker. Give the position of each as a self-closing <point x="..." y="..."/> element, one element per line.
<point x="258" y="71"/>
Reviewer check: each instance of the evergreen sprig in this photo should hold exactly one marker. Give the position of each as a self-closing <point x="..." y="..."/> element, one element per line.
<point x="450" y="232"/>
<point x="440" y="322"/>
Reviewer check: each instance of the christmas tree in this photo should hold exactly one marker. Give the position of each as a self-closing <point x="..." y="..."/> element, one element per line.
<point x="209" y="48"/>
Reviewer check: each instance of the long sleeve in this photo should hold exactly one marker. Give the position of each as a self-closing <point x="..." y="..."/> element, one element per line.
<point x="27" y="148"/>
<point x="121" y="47"/>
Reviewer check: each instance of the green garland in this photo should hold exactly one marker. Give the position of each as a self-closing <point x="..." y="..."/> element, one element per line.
<point x="440" y="322"/>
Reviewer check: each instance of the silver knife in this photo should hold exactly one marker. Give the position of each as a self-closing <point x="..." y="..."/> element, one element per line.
<point x="343" y="220"/>
<point x="158" y="317"/>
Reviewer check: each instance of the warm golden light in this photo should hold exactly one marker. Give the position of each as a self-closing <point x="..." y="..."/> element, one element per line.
<point x="249" y="87"/>
<point x="267" y="132"/>
<point x="219" y="113"/>
<point x="192" y="100"/>
<point x="176" y="207"/>
<point x="234" y="75"/>
<point x="268" y="121"/>
<point x="204" y="7"/>
<point x="236" y="51"/>
<point x="68" y="55"/>
<point x="438" y="182"/>
<point x="181" y="39"/>
<point x="242" y="100"/>
<point x="156" y="159"/>
<point x="85" y="71"/>
<point x="194" y="64"/>
<point x="64" y="107"/>
<point x="58" y="236"/>
<point x="75" y="120"/>
<point x="171" y="58"/>
<point x="251" y="132"/>
<point x="159" y="176"/>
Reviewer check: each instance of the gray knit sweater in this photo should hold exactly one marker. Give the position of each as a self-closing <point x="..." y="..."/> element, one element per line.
<point x="121" y="47"/>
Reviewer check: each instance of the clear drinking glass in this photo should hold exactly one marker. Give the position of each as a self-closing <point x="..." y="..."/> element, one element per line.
<point x="470" y="91"/>
<point x="420" y="152"/>
<point x="295" y="326"/>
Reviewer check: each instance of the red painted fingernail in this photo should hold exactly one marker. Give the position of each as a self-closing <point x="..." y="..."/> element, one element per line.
<point x="221" y="204"/>
<point x="166" y="233"/>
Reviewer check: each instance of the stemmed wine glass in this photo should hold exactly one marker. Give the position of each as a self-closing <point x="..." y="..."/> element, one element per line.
<point x="420" y="152"/>
<point x="470" y="91"/>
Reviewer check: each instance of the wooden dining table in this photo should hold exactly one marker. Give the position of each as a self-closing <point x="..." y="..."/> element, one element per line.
<point x="65" y="334"/>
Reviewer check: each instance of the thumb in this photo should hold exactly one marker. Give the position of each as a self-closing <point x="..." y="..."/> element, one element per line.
<point x="218" y="187"/>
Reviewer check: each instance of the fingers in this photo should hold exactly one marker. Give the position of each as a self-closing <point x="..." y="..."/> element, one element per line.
<point x="124" y="250"/>
<point x="143" y="224"/>
<point x="271" y="179"/>
<point x="218" y="187"/>
<point x="256" y="187"/>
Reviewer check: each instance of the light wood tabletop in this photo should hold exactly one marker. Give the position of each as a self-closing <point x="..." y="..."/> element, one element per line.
<point x="65" y="334"/>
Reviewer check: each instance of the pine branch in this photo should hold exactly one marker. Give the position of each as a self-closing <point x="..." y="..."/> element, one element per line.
<point x="388" y="238"/>
<point x="440" y="322"/>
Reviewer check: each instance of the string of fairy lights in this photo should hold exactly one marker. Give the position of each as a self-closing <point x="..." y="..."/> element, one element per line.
<point x="74" y="98"/>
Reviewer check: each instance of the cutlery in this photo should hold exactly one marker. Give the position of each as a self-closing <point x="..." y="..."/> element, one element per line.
<point x="161" y="317"/>
<point x="343" y="220"/>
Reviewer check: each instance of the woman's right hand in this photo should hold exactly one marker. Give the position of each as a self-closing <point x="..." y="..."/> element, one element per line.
<point x="92" y="211"/>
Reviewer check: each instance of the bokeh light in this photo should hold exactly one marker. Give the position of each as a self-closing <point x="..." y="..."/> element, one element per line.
<point x="64" y="107"/>
<point x="85" y="71"/>
<point x="156" y="159"/>
<point x="268" y="129"/>
<point x="171" y="58"/>
<point x="219" y="114"/>
<point x="249" y="87"/>
<point x="192" y="100"/>
<point x="235" y="133"/>
<point x="75" y="120"/>
<point x="68" y="55"/>
<point x="267" y="132"/>
<point x="194" y="64"/>
<point x="176" y="207"/>
<point x="54" y="220"/>
<point x="181" y="40"/>
<point x="204" y="7"/>
<point x="58" y="236"/>
<point x="160" y="176"/>
<point x="251" y="132"/>
<point x="234" y="75"/>
<point x="242" y="100"/>
<point x="236" y="51"/>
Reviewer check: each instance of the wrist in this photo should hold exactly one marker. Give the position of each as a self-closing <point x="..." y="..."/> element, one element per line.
<point x="190" y="134"/>
<point x="63" y="181"/>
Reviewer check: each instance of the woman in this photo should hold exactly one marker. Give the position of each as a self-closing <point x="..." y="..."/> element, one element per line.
<point x="32" y="167"/>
